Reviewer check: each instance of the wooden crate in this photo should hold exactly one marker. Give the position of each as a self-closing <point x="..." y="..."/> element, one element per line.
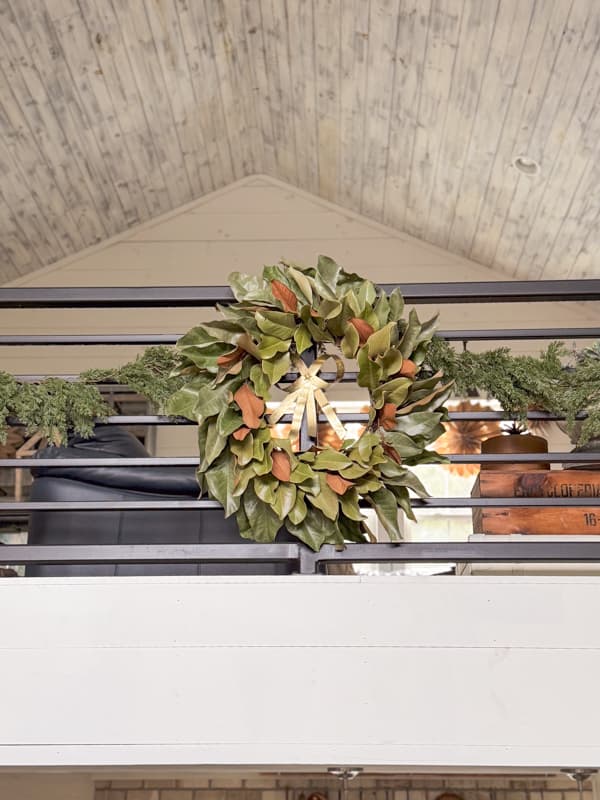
<point x="538" y="521"/>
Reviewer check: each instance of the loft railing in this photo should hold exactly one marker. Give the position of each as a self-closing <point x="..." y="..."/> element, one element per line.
<point x="304" y="560"/>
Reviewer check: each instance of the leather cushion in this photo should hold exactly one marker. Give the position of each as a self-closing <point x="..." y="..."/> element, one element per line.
<point x="110" y="441"/>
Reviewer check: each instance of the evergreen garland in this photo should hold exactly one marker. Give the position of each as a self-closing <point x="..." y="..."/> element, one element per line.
<point x="55" y="407"/>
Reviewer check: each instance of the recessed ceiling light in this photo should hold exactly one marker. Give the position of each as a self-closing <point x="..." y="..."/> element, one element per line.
<point x="526" y="165"/>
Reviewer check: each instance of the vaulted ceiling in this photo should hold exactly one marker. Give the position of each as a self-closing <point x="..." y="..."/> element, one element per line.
<point x="409" y="111"/>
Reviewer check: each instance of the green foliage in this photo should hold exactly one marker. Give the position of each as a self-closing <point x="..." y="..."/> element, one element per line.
<point x="221" y="375"/>
<point x="55" y="407"/>
<point x="231" y="365"/>
<point x="52" y="407"/>
<point x="522" y="383"/>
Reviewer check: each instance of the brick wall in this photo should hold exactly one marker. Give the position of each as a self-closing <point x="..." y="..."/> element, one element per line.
<point x="296" y="788"/>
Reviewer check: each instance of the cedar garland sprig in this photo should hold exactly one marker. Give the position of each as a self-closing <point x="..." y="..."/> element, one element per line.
<point x="553" y="382"/>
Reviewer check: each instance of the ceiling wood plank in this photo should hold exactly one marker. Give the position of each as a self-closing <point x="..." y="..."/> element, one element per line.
<point x="497" y="88"/>
<point x="327" y="82"/>
<point x="106" y="39"/>
<point x="574" y="145"/>
<point x="565" y="45"/>
<point x="409" y="111"/>
<point x="384" y="24"/>
<point x="411" y="49"/>
<point x="445" y="24"/>
<point x="277" y="88"/>
<point x="526" y="101"/>
<point x="40" y="38"/>
<point x="469" y="92"/>
<point x="301" y="38"/>
<point x="170" y="53"/>
<point x="354" y="47"/>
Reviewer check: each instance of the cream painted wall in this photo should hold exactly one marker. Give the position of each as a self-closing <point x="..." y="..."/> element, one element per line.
<point x="252" y="222"/>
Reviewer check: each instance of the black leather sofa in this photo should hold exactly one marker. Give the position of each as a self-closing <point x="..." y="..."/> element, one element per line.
<point x="128" y="527"/>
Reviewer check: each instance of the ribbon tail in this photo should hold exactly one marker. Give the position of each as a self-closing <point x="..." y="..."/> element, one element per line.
<point x="298" y="413"/>
<point x="311" y="414"/>
<point x="330" y="415"/>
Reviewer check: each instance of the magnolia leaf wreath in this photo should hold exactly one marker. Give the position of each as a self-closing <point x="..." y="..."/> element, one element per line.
<point x="232" y="365"/>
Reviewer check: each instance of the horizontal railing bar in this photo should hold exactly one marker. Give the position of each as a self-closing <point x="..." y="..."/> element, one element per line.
<point x="403" y="552"/>
<point x="475" y="335"/>
<point x="192" y="461"/>
<point x="147" y="554"/>
<point x="197" y="505"/>
<point x="198" y="296"/>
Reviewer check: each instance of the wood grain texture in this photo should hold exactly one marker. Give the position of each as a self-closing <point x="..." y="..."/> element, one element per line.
<point x="409" y="111"/>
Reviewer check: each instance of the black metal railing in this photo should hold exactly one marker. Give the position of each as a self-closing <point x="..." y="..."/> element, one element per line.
<point x="304" y="560"/>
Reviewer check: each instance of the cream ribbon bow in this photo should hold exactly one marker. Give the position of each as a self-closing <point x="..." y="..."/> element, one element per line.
<point x="305" y="394"/>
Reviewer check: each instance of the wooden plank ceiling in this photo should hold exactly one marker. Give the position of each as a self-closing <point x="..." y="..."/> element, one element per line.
<point x="409" y="111"/>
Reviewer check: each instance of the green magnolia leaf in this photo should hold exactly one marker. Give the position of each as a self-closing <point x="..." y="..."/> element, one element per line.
<point x="329" y="309"/>
<point x="277" y="273"/>
<point x="220" y="482"/>
<point x="386" y="508"/>
<point x="184" y="402"/>
<point x="411" y="334"/>
<point x="271" y="346"/>
<point x="366" y="294"/>
<point x="326" y="276"/>
<point x="264" y="523"/>
<point x="260" y="381"/>
<point x="349" y="503"/>
<point x="278" y="324"/>
<point x="213" y="446"/>
<point x="303" y="283"/>
<point x="428" y="328"/>
<point x="402" y="444"/>
<point x="364" y="446"/>
<point x="228" y="421"/>
<point x="285" y="499"/>
<point x="396" y="302"/>
<point x="302" y="338"/>
<point x="403" y="500"/>
<point x="243" y="478"/>
<point x="431" y="402"/>
<point x="419" y="423"/>
<point x="330" y="459"/>
<point x="382" y="309"/>
<point x="369" y="372"/>
<point x="276" y="368"/>
<point x="301" y="472"/>
<point x="391" y="362"/>
<point x="265" y="487"/>
<point x="316" y="530"/>
<point x="326" y="499"/>
<point x="244" y="450"/>
<point x="396" y="475"/>
<point x="226" y="330"/>
<point x="379" y="343"/>
<point x="394" y="391"/>
<point x="351" y="529"/>
<point x="356" y="471"/>
<point x="197" y="338"/>
<point x="350" y="342"/>
<point x="251" y="288"/>
<point x="298" y="511"/>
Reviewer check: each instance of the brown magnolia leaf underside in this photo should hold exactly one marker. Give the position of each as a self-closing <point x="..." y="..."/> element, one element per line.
<point x="286" y="297"/>
<point x="282" y="469"/>
<point x="337" y="483"/>
<point x="363" y="328"/>
<point x="251" y="406"/>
